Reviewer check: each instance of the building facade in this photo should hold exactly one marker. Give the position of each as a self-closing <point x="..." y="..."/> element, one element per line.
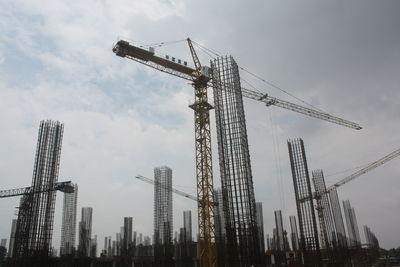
<point x="163" y="205"/>
<point x="12" y="238"/>
<point x="127" y="238"/>
<point x="294" y="236"/>
<point x="352" y="226"/>
<point x="187" y="225"/>
<point x="260" y="226"/>
<point x="280" y="241"/>
<point x="68" y="226"/>
<point x="85" y="232"/>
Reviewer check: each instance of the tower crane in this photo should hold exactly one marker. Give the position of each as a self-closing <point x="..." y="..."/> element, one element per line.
<point x="65" y="187"/>
<point x="200" y="77"/>
<point x="357" y="174"/>
<point x="176" y="191"/>
<point x="320" y="194"/>
<point x="366" y="169"/>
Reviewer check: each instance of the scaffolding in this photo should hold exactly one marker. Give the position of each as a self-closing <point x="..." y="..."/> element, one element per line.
<point x="309" y="243"/>
<point x="36" y="213"/>
<point x="234" y="161"/>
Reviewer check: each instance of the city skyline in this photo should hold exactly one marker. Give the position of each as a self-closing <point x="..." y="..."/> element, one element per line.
<point x="123" y="119"/>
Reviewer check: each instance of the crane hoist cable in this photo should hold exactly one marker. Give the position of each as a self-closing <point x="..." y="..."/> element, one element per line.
<point x="203" y="48"/>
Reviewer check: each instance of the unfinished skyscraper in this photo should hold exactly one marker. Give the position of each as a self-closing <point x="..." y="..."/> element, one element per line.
<point x="85" y="232"/>
<point x="234" y="162"/>
<point x="36" y="214"/>
<point x="260" y="226"/>
<point x="163" y="205"/>
<point x="163" y="252"/>
<point x="338" y="218"/>
<point x="326" y="225"/>
<point x="187" y="225"/>
<point x="127" y="239"/>
<point x="220" y="231"/>
<point x="352" y="226"/>
<point x="68" y="227"/>
<point x="294" y="235"/>
<point x="280" y="241"/>
<point x="309" y="243"/>
<point x="370" y="238"/>
<point x="12" y="238"/>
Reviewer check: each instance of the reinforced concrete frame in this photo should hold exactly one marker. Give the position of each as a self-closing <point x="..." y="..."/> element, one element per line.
<point x="327" y="228"/>
<point x="234" y="161"/>
<point x="36" y="213"/>
<point x="338" y="219"/>
<point x="309" y="243"/>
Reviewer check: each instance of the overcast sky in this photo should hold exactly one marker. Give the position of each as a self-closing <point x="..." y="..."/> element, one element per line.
<point x="122" y="118"/>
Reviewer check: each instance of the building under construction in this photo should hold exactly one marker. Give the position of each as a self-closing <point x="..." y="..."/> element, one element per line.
<point x="163" y="227"/>
<point x="36" y="212"/>
<point x="68" y="226"/>
<point x="309" y="243"/>
<point x="234" y="161"/>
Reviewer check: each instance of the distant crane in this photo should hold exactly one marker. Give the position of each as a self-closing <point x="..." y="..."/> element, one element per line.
<point x="66" y="187"/>
<point x="176" y="191"/>
<point x="357" y="174"/>
<point x="366" y="169"/>
<point x="321" y="195"/>
<point x="200" y="77"/>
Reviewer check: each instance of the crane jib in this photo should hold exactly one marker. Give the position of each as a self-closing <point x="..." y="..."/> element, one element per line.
<point x="125" y="49"/>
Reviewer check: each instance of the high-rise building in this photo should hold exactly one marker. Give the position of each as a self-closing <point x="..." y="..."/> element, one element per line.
<point x="294" y="236"/>
<point x="128" y="224"/>
<point x="135" y="243"/>
<point x="352" y="226"/>
<point x="309" y="242"/>
<point x="12" y="238"/>
<point x="280" y="241"/>
<point x="187" y="225"/>
<point x="260" y="226"/>
<point x="36" y="213"/>
<point x="163" y="205"/>
<point x="219" y="216"/>
<point x="85" y="232"/>
<point x="326" y="224"/>
<point x="68" y="226"/>
<point x="235" y="167"/>
<point x="338" y="218"/>
<point x="269" y="245"/>
<point x="3" y="242"/>
<point x="370" y="238"/>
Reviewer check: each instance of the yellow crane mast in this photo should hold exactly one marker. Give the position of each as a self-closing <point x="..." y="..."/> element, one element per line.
<point x="200" y="76"/>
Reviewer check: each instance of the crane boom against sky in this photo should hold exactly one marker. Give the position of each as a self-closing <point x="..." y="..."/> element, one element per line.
<point x="357" y="174"/>
<point x="148" y="58"/>
<point x="65" y="187"/>
<point x="176" y="191"/>
<point x="201" y="107"/>
<point x="366" y="169"/>
<point x="200" y="76"/>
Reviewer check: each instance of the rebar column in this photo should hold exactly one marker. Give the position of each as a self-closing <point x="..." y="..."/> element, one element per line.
<point x="309" y="243"/>
<point x="338" y="218"/>
<point x="234" y="161"/>
<point x="324" y="209"/>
